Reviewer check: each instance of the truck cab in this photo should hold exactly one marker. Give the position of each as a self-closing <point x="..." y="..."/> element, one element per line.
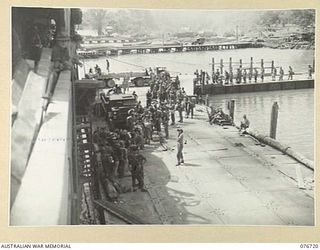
<point x="116" y="107"/>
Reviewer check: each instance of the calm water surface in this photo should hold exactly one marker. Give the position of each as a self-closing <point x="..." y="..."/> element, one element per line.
<point x="296" y="113"/>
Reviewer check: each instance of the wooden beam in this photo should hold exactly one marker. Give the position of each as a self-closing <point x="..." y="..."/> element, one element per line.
<point x="120" y="212"/>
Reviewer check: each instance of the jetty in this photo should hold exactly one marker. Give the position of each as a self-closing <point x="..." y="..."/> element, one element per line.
<point x="227" y="179"/>
<point x="246" y="78"/>
<point x="219" y="89"/>
<point x="158" y="48"/>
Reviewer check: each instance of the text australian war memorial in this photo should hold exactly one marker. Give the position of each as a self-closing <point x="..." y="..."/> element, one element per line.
<point x="138" y="116"/>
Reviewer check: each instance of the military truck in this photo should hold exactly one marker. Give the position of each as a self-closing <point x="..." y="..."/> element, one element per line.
<point x="139" y="79"/>
<point x="116" y="107"/>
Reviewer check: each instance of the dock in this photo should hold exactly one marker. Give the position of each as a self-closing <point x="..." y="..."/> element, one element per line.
<point x="218" y="89"/>
<point x="227" y="179"/>
<point x="143" y="49"/>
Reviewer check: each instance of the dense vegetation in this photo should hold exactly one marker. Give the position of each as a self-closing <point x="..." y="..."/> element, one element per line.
<point x="141" y="22"/>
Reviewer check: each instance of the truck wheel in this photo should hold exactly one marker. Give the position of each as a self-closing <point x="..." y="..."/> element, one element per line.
<point x="139" y="82"/>
<point x="110" y="83"/>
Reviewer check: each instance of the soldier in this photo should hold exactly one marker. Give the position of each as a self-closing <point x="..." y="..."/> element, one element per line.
<point x="180" y="147"/>
<point x="262" y="74"/>
<point x="244" y="76"/>
<point x="255" y="74"/>
<point x="130" y="120"/>
<point x="291" y="73"/>
<point x="123" y="161"/>
<point x="274" y="74"/>
<point x="192" y="105"/>
<point x="172" y="114"/>
<point x="162" y="142"/>
<point x="238" y="80"/>
<point x="135" y="95"/>
<point x="179" y="108"/>
<point x="226" y="77"/>
<point x="125" y="84"/>
<point x="187" y="108"/>
<point x="281" y="73"/>
<point x="231" y="76"/>
<point x="310" y="71"/>
<point x="149" y="97"/>
<point x="148" y="129"/>
<point x="117" y="157"/>
<point x="165" y="121"/>
<point x="136" y="162"/>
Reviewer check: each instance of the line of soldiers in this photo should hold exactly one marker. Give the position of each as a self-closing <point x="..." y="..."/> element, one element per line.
<point x="119" y="149"/>
<point x="243" y="75"/>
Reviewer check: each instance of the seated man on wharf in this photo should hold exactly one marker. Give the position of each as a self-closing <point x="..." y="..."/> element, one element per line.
<point x="244" y="124"/>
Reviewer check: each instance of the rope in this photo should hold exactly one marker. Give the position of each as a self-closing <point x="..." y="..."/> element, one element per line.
<point x="136" y="65"/>
<point x="161" y="59"/>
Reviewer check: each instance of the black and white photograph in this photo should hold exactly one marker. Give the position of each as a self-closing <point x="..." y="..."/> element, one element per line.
<point x="131" y="116"/>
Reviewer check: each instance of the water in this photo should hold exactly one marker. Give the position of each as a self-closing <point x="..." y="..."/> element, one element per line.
<point x="295" y="118"/>
<point x="187" y="63"/>
<point x="296" y="113"/>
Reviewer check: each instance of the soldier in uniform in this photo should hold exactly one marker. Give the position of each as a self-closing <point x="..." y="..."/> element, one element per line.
<point x="180" y="147"/>
<point x="123" y="163"/>
<point x="180" y="109"/>
<point x="262" y="74"/>
<point x="165" y="121"/>
<point x="149" y="97"/>
<point x="244" y="76"/>
<point x="136" y="162"/>
<point x="191" y="106"/>
<point x="281" y="73"/>
<point x="172" y="114"/>
<point x="255" y="75"/>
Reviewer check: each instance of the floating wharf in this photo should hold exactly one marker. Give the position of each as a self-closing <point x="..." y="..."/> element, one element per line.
<point x="142" y="49"/>
<point x="226" y="179"/>
<point x="217" y="89"/>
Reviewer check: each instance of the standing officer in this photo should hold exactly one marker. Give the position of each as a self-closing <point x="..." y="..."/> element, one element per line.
<point x="180" y="147"/>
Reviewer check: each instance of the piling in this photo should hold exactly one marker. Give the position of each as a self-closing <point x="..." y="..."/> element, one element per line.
<point x="207" y="100"/>
<point x="240" y="64"/>
<point x="251" y="68"/>
<point x="272" y="66"/>
<point x="230" y="64"/>
<point x="274" y="120"/>
<point x="232" y="104"/>
<point x="212" y="66"/>
<point x="221" y="66"/>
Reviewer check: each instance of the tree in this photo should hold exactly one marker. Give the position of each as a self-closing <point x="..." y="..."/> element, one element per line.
<point x="97" y="19"/>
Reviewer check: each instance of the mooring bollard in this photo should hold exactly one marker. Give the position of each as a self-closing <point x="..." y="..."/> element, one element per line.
<point x="231" y="109"/>
<point x="274" y="120"/>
